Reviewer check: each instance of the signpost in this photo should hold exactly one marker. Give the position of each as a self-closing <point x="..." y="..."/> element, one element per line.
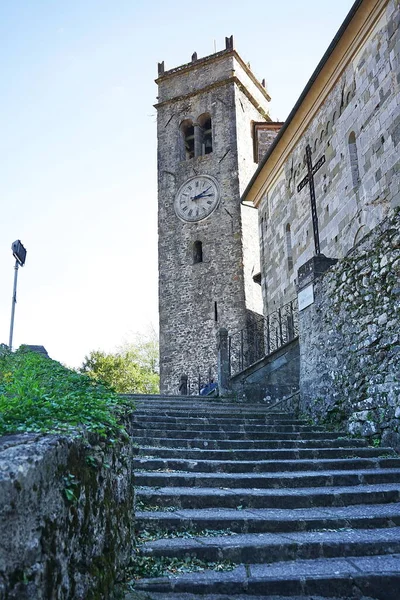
<point x="19" y="254"/>
<point x="309" y="178"/>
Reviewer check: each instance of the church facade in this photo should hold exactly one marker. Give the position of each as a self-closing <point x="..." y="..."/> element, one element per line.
<point x="349" y="119"/>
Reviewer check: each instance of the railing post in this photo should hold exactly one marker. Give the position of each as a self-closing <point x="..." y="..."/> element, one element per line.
<point x="280" y="326"/>
<point x="268" y="336"/>
<point x="291" y="326"/>
<point x="241" y="358"/>
<point x="223" y="362"/>
<point x="183" y="385"/>
<point x="230" y="355"/>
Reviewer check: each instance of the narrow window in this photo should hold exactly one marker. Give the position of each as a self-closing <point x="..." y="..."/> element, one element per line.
<point x="289" y="247"/>
<point x="187" y="130"/>
<point x="215" y="312"/>
<point x="205" y="135"/>
<point x="355" y="172"/>
<point x="197" y="252"/>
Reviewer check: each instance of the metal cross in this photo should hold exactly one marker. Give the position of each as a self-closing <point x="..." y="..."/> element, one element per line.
<point x="309" y="178"/>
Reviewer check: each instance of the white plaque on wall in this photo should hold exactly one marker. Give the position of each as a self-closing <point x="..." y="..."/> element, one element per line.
<point x="306" y="297"/>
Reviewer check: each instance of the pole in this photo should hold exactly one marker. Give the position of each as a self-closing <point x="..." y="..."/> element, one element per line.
<point x="14" y="302"/>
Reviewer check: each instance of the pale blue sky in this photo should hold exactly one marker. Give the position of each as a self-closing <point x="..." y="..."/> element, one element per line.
<point x="78" y="146"/>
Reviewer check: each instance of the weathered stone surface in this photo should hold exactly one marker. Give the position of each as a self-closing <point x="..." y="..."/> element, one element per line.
<point x="198" y="298"/>
<point x="271" y="378"/>
<point x="65" y="516"/>
<point x="349" y="351"/>
<point x="358" y="182"/>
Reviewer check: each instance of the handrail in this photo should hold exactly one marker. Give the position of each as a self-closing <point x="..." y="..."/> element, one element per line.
<point x="263" y="336"/>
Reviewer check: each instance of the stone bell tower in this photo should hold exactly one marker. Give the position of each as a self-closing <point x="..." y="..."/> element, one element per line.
<point x="208" y="243"/>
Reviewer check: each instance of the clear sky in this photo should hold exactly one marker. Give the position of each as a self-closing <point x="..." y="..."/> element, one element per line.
<point x="78" y="180"/>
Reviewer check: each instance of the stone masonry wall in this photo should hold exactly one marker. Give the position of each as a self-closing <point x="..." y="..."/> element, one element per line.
<point x="66" y="520"/>
<point x="358" y="183"/>
<point x="196" y="299"/>
<point x="350" y="340"/>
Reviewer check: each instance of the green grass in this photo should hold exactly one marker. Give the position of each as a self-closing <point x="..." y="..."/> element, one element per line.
<point x="38" y="394"/>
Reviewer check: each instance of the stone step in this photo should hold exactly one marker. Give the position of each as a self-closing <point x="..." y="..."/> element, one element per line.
<point x="203" y="403"/>
<point x="247" y="444"/>
<point x="235" y="435"/>
<point x="259" y="455"/>
<point x="263" y="466"/>
<point x="201" y="426"/>
<point x="146" y="595"/>
<point x="290" y="479"/>
<point x="216" y="417"/>
<point x="149" y="400"/>
<point x="241" y="498"/>
<point x="361" y="577"/>
<point x="274" y="547"/>
<point x="271" y="520"/>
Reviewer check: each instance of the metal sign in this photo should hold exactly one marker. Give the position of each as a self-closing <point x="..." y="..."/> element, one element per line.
<point x="306" y="297"/>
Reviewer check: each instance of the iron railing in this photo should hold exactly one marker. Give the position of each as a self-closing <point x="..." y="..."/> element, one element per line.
<point x="195" y="381"/>
<point x="262" y="336"/>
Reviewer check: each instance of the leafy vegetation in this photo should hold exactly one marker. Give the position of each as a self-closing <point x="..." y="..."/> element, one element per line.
<point x="40" y="395"/>
<point x="132" y="369"/>
<point x="158" y="534"/>
<point x="157" y="566"/>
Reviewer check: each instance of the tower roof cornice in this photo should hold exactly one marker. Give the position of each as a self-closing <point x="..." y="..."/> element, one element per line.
<point x="213" y="58"/>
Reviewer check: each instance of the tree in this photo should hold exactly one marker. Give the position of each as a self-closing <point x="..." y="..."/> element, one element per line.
<point x="133" y="368"/>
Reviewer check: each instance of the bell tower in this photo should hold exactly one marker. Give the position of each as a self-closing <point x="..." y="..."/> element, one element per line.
<point x="208" y="243"/>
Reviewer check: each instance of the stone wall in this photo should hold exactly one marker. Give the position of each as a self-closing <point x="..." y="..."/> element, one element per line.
<point x="271" y="378"/>
<point x="350" y="340"/>
<point x="66" y="516"/>
<point x="357" y="129"/>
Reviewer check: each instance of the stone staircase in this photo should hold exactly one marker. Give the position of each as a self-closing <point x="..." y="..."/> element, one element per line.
<point x="267" y="505"/>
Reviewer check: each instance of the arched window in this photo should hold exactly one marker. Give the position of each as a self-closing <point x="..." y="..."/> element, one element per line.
<point x="204" y="135"/>
<point x="187" y="130"/>
<point x="197" y="252"/>
<point x="355" y="172"/>
<point x="289" y="247"/>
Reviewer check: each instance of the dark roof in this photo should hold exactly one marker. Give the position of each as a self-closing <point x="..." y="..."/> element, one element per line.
<point x="38" y="349"/>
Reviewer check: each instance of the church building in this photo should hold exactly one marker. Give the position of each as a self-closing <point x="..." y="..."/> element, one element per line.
<point x="343" y="138"/>
<point x="325" y="178"/>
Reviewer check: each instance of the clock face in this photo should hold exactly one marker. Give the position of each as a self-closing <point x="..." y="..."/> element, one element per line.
<point x="197" y="198"/>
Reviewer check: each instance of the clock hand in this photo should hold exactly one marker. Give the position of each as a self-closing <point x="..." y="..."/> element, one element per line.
<point x="202" y="195"/>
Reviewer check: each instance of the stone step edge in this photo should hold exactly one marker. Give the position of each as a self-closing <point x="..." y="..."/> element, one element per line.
<point x="187" y="465"/>
<point x="259" y="515"/>
<point x="141" y="595"/>
<point x="351" y="577"/>
<point x="333" y="489"/>
<point x="289" y="451"/>
<point x="293" y="541"/>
